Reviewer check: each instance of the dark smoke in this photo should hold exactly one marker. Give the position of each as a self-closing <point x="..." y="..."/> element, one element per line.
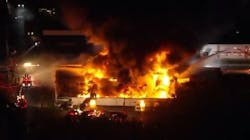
<point x="133" y="30"/>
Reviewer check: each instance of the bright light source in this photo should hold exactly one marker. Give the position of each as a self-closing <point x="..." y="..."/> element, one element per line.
<point x="92" y="103"/>
<point x="27" y="64"/>
<point x="30" y="33"/>
<point x="142" y="105"/>
<point x="98" y="96"/>
<point x="83" y="95"/>
<point x="113" y="80"/>
<point x="208" y="66"/>
<point x="20" y="5"/>
<point x="79" y="110"/>
<point x="36" y="43"/>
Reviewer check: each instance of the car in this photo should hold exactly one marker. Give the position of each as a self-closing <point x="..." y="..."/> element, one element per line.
<point x="26" y="81"/>
<point x="94" y="115"/>
<point x="73" y="115"/>
<point x="117" y="117"/>
<point x="21" y="102"/>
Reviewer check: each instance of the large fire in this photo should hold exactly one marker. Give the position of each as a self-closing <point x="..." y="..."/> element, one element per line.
<point x="157" y="80"/>
<point x="114" y="73"/>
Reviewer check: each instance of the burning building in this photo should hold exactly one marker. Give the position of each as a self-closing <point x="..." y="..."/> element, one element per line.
<point x="117" y="67"/>
<point x="157" y="79"/>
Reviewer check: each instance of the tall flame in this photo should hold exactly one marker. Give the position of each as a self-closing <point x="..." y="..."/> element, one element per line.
<point x="157" y="79"/>
<point x="156" y="83"/>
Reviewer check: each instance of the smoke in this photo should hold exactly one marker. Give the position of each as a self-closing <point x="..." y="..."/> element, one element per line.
<point x="132" y="45"/>
<point x="76" y="19"/>
<point x="126" y="43"/>
<point x="133" y="30"/>
<point x="44" y="74"/>
<point x="124" y="35"/>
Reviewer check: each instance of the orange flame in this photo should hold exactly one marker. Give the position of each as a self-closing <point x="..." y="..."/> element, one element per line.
<point x="157" y="81"/>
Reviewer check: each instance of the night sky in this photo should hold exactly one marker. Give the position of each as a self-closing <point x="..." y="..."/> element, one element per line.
<point x="146" y="26"/>
<point x="188" y="22"/>
<point x="152" y="24"/>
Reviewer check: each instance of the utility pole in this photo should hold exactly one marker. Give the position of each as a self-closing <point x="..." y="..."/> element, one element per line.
<point x="7" y="41"/>
<point x="6" y="32"/>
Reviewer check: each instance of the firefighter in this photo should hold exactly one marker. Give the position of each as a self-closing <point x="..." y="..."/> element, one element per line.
<point x="173" y="85"/>
<point x="27" y="80"/>
<point x="92" y="90"/>
<point x="21" y="102"/>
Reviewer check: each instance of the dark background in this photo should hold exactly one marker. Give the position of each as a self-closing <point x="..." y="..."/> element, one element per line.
<point x="207" y="109"/>
<point x="141" y="24"/>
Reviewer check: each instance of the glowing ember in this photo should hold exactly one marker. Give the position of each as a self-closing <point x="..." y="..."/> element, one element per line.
<point x="87" y="96"/>
<point x="113" y="79"/>
<point x="92" y="103"/>
<point x="104" y="52"/>
<point x="27" y="64"/>
<point x="83" y="95"/>
<point x="142" y="104"/>
<point x="183" y="80"/>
